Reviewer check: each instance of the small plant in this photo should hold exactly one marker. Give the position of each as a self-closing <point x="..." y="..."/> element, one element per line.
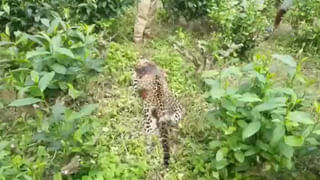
<point x="61" y="59"/>
<point x="28" y="15"/>
<point x="188" y="9"/>
<point x="261" y="124"/>
<point x="304" y="17"/>
<point x="240" y="24"/>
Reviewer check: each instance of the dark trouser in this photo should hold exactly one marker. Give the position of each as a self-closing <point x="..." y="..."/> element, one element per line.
<point x="285" y="6"/>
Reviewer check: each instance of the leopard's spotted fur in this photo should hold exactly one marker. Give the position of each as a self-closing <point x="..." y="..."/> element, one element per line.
<point x="161" y="107"/>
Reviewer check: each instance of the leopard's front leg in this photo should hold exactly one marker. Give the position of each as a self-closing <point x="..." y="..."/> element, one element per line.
<point x="150" y="126"/>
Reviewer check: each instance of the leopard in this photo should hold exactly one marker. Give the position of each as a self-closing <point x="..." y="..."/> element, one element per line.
<point x="161" y="108"/>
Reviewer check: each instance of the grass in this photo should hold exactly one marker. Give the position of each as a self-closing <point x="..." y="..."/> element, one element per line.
<point x="116" y="134"/>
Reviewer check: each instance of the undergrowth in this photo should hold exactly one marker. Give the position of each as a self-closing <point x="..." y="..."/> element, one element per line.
<point x="92" y="129"/>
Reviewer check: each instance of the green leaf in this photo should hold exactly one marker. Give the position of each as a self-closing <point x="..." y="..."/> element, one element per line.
<point x="3" y="144"/>
<point x="73" y="92"/>
<point x="87" y="110"/>
<point x="313" y="141"/>
<point x="24" y="102"/>
<point x="32" y="54"/>
<point x="45" y="81"/>
<point x="277" y="134"/>
<point x="287" y="163"/>
<point x="286" y="150"/>
<point x="58" y="68"/>
<point x="228" y="104"/>
<point x="35" y="91"/>
<point x="288" y="60"/>
<point x="55" y="43"/>
<point x="58" y="111"/>
<point x="300" y="117"/>
<point x="251" y="129"/>
<point x="271" y="104"/>
<point x="77" y="136"/>
<point x="57" y="176"/>
<point x="219" y="155"/>
<point x="239" y="156"/>
<point x="6" y="8"/>
<point x="231" y="71"/>
<point x="221" y="164"/>
<point x="316" y="132"/>
<point x="249" y="97"/>
<point x="242" y="123"/>
<point x="4" y="43"/>
<point x="250" y="152"/>
<point x="45" y="125"/>
<point x="32" y="38"/>
<point x="214" y="144"/>
<point x="45" y="21"/>
<point x="54" y="25"/>
<point x="217" y="93"/>
<point x="307" y="131"/>
<point x="65" y="52"/>
<point x="294" y="141"/>
<point x="34" y="76"/>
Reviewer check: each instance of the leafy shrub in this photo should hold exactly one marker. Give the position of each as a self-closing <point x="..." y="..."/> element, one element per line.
<point x="239" y="24"/>
<point x="189" y="9"/>
<point x="37" y="148"/>
<point x="26" y="15"/>
<point x="305" y="18"/>
<point x="52" y="61"/>
<point x="92" y="11"/>
<point x="261" y="124"/>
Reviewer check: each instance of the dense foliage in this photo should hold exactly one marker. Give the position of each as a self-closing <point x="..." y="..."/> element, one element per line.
<point x="189" y="9"/>
<point x="68" y="110"/>
<point x="43" y="63"/>
<point x="261" y="123"/>
<point x="28" y="15"/>
<point x="305" y="18"/>
<point x="239" y="24"/>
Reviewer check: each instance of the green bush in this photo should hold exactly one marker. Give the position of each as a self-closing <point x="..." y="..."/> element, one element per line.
<point x="38" y="148"/>
<point x="305" y="18"/>
<point x="92" y="11"/>
<point x="189" y="9"/>
<point x="261" y="124"/>
<point x="61" y="59"/>
<point x="26" y="15"/>
<point x="239" y="24"/>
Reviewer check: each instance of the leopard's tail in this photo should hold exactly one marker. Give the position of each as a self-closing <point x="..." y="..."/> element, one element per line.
<point x="164" y="135"/>
<point x="163" y="123"/>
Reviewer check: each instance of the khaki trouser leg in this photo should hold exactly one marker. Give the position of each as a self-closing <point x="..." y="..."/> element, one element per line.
<point x="151" y="15"/>
<point x="141" y="20"/>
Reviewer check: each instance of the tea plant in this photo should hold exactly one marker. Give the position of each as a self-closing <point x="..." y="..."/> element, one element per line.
<point x="61" y="59"/>
<point x="241" y="24"/>
<point x="304" y="17"/>
<point x="27" y="15"/>
<point x="189" y="9"/>
<point x="261" y="125"/>
<point x="37" y="148"/>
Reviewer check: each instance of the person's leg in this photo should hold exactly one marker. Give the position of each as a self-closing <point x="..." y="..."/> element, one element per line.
<point x="151" y="16"/>
<point x="141" y="20"/>
<point x="278" y="18"/>
<point x="285" y="6"/>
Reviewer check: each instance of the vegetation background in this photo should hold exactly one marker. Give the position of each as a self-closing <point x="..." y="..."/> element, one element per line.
<point x="68" y="110"/>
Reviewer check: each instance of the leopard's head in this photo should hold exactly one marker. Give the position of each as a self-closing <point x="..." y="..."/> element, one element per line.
<point x="147" y="67"/>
